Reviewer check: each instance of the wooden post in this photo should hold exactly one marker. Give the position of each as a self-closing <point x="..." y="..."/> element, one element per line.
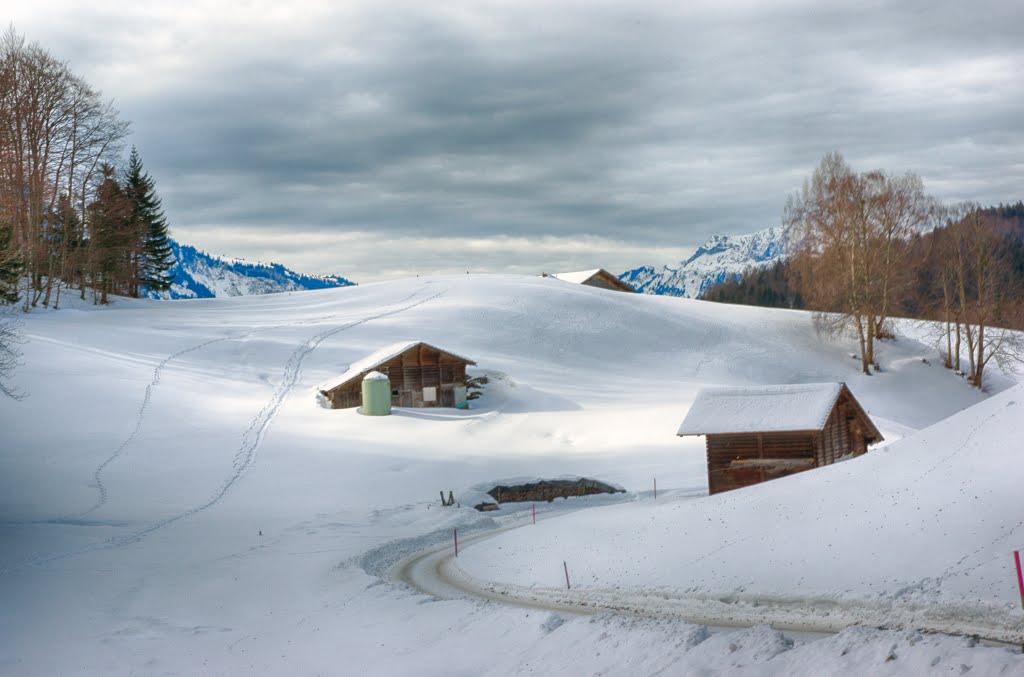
<point x="1020" y="577"/>
<point x="566" y="567"/>
<point x="456" y="542"/>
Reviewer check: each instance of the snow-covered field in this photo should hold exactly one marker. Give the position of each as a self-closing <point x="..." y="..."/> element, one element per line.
<point x="173" y="499"/>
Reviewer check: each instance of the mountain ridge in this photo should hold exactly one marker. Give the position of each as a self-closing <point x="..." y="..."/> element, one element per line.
<point x="199" y="275"/>
<point x="720" y="258"/>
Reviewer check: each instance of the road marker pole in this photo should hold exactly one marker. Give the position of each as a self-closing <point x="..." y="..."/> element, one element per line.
<point x="655" y="487"/>
<point x="1020" y="577"/>
<point x="456" y="542"/>
<point x="566" y="567"/>
<point x="534" y="513"/>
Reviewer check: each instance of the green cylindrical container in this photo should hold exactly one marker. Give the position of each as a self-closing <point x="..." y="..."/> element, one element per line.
<point x="376" y="395"/>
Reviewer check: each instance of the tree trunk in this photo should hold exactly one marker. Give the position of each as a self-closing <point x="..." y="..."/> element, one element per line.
<point x="979" y="367"/>
<point x="970" y="350"/>
<point x="863" y="347"/>
<point x="956" y="355"/>
<point x="870" y="356"/>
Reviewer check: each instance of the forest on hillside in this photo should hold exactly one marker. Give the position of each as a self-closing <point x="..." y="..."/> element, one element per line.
<point x="73" y="212"/>
<point x="874" y="246"/>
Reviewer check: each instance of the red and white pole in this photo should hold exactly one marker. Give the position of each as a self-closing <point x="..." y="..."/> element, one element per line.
<point x="1020" y="577"/>
<point x="456" y="542"/>
<point x="566" y="567"/>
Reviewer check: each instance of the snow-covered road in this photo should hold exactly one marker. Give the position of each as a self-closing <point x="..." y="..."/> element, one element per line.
<point x="434" y="570"/>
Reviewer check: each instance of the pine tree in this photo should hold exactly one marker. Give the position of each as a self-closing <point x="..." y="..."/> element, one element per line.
<point x="156" y="259"/>
<point x="115" y="238"/>
<point x="12" y="267"/>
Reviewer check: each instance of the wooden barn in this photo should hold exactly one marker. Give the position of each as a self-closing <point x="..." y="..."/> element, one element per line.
<point x="599" y="278"/>
<point x="421" y="375"/>
<point x="762" y="433"/>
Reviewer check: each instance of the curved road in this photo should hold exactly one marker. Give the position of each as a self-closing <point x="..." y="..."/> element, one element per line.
<point x="435" y="572"/>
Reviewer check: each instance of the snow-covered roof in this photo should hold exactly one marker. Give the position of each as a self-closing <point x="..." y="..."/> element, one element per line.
<point x="377" y="358"/>
<point x="775" y="408"/>
<point x="578" y="277"/>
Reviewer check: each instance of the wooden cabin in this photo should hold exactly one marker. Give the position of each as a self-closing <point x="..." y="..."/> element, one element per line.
<point x="762" y="433"/>
<point x="420" y="374"/>
<point x="599" y="278"/>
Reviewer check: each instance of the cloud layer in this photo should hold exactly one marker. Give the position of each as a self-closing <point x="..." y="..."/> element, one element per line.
<point x="380" y="139"/>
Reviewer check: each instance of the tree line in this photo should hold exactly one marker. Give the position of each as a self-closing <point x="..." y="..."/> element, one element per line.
<point x="69" y="218"/>
<point x="872" y="246"/>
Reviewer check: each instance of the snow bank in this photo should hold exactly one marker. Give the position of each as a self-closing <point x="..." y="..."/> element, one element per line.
<point x="917" y="534"/>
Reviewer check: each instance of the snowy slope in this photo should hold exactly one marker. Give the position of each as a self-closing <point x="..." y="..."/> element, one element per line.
<point x="918" y="534"/>
<point x="174" y="500"/>
<point x="720" y="258"/>
<point x="201" y="275"/>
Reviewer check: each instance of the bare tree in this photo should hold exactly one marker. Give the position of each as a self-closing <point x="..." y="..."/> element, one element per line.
<point x="855" y="230"/>
<point x="55" y="133"/>
<point x="944" y="277"/>
<point x="985" y="289"/>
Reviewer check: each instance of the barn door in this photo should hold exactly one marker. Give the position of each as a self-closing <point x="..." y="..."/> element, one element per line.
<point x="447" y="397"/>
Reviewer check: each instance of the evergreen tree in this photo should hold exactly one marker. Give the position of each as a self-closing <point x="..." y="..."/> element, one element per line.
<point x="155" y="259"/>
<point x="11" y="266"/>
<point x="115" y="238"/>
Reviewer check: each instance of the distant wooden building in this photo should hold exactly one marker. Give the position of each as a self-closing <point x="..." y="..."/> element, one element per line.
<point x="762" y="433"/>
<point x="420" y="375"/>
<point x="599" y="278"/>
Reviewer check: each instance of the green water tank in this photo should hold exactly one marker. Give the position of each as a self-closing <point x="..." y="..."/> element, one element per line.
<point x="376" y="395"/>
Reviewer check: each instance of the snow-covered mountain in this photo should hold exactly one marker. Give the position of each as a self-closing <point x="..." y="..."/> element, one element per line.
<point x="721" y="257"/>
<point x="201" y="275"/>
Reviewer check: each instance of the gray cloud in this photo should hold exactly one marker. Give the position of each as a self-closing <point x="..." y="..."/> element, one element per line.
<point x="637" y="129"/>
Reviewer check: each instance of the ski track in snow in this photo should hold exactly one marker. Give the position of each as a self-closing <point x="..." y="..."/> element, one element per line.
<point x="157" y="371"/>
<point x="98" y="474"/>
<point x="252" y="437"/>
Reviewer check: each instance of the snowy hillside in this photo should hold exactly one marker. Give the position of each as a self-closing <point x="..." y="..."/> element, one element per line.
<point x="719" y="258"/>
<point x="175" y="500"/>
<point x="907" y="535"/>
<point x="201" y="275"/>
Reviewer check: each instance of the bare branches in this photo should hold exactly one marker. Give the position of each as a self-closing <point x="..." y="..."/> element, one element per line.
<point x="855" y="230"/>
<point x="55" y="134"/>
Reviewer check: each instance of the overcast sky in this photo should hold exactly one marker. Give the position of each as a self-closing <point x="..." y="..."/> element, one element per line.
<point x="381" y="139"/>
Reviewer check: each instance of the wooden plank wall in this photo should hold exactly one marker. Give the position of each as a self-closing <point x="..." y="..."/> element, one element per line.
<point x="409" y="373"/>
<point x="843" y="434"/>
<point x="723" y="450"/>
<point x="603" y="281"/>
